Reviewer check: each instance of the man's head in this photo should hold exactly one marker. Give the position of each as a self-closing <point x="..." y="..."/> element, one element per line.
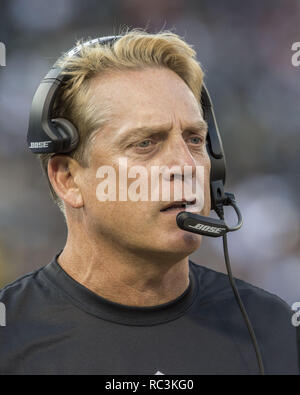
<point x="143" y="89"/>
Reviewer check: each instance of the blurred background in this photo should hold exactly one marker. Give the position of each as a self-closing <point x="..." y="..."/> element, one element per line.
<point x="245" y="50"/>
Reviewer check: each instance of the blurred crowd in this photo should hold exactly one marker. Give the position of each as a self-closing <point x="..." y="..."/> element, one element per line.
<point x="245" y="50"/>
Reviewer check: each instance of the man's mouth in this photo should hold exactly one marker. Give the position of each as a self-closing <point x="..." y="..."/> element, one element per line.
<point x="174" y="208"/>
<point x="177" y="206"/>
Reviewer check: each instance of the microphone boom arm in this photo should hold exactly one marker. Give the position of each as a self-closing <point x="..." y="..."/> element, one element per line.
<point x="207" y="226"/>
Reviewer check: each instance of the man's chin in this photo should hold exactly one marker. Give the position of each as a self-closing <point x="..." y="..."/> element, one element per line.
<point x="189" y="242"/>
<point x="183" y="243"/>
<point x="170" y="246"/>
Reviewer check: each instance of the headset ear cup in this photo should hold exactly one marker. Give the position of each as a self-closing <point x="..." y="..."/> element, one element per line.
<point x="67" y="130"/>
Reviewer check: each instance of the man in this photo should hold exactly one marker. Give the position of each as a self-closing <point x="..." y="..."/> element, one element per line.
<point x="122" y="297"/>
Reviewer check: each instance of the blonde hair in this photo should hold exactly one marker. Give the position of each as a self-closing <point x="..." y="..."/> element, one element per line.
<point x="135" y="50"/>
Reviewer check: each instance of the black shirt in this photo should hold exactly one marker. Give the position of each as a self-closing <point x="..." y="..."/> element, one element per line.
<point x="54" y="325"/>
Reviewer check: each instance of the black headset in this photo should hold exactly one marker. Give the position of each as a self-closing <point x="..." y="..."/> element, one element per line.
<point x="47" y="135"/>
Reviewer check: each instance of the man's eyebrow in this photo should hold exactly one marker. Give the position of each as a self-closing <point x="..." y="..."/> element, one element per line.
<point x="146" y="131"/>
<point x="200" y="126"/>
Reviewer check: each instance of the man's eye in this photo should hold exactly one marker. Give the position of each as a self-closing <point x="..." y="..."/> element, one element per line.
<point x="144" y="144"/>
<point x="196" y="140"/>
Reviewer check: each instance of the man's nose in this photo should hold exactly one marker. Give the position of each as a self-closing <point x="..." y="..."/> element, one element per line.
<point x="178" y="158"/>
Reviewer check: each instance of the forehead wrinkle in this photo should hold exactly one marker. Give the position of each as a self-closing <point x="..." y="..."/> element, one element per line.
<point x="141" y="131"/>
<point x="145" y="131"/>
<point x="200" y="125"/>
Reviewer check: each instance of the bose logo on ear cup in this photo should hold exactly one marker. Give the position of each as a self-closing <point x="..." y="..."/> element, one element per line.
<point x="39" y="144"/>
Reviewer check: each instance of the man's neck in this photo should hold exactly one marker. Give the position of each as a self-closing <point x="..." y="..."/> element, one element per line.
<point x="123" y="276"/>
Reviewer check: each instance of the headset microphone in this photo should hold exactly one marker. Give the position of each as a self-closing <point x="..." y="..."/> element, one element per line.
<point x="207" y="226"/>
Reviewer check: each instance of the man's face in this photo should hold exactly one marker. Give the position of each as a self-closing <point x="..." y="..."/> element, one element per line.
<point x="156" y="122"/>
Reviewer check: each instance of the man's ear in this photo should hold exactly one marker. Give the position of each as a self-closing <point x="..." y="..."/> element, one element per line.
<point x="62" y="172"/>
